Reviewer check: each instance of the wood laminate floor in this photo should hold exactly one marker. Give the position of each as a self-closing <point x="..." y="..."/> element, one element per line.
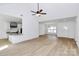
<point x="43" y="46"/>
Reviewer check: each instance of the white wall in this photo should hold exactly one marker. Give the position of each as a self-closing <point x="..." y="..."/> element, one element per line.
<point x="30" y="27"/>
<point x="77" y="28"/>
<point x="70" y="23"/>
<point x="77" y="31"/>
<point x="3" y="29"/>
<point x="66" y="29"/>
<point x="42" y="29"/>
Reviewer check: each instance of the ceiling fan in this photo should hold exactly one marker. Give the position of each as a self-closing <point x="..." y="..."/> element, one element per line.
<point x="39" y="12"/>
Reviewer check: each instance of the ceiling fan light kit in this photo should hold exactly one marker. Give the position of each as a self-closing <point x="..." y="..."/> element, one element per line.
<point x="38" y="14"/>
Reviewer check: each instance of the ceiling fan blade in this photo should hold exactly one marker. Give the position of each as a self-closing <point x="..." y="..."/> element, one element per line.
<point x="41" y="10"/>
<point x="33" y="14"/>
<point x="33" y="11"/>
<point x="43" y="13"/>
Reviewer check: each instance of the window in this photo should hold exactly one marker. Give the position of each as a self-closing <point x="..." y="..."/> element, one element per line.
<point x="52" y="29"/>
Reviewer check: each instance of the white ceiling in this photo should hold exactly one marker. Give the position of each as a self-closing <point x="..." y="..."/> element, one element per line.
<point x="1" y="4"/>
<point x="59" y="10"/>
<point x="53" y="10"/>
<point x="8" y="18"/>
<point x="60" y="20"/>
